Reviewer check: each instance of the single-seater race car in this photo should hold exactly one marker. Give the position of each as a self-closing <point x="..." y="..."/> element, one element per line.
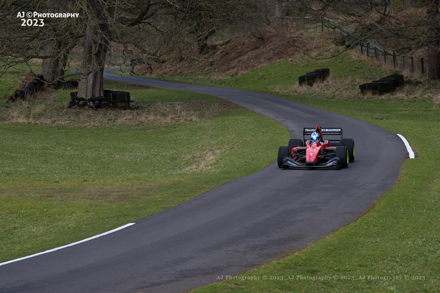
<point x="315" y="152"/>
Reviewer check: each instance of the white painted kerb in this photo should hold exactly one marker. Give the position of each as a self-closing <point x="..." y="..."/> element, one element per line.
<point x="68" y="245"/>
<point x="408" y="147"/>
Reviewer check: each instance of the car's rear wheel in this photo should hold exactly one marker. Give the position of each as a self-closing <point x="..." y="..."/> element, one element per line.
<point x="342" y="153"/>
<point x="295" y="143"/>
<point x="349" y="143"/>
<point x="283" y="152"/>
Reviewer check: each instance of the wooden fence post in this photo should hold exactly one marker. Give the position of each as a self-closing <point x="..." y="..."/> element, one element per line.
<point x="412" y="64"/>
<point x="422" y="66"/>
<point x="375" y="53"/>
<point x="368" y="49"/>
<point x="403" y="60"/>
<point x="385" y="56"/>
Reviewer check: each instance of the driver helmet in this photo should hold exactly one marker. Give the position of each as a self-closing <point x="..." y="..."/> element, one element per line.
<point x="315" y="137"/>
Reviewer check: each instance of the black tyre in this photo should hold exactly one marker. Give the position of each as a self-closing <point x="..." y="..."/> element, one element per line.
<point x="102" y="102"/>
<point x="283" y="152"/>
<point x="342" y="153"/>
<point x="92" y="102"/>
<point x="73" y="96"/>
<point x="295" y="143"/>
<point x="81" y="102"/>
<point x="72" y="103"/>
<point x="349" y="143"/>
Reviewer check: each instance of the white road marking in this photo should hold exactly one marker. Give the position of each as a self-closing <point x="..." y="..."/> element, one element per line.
<point x="408" y="147"/>
<point x="68" y="245"/>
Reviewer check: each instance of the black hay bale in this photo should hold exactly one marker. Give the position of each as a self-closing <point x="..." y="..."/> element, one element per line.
<point x="398" y="77"/>
<point x="379" y="88"/>
<point x="36" y="85"/>
<point x="22" y="94"/>
<point x="121" y="99"/>
<point x="40" y="80"/>
<point x="40" y="77"/>
<point x="70" y="85"/>
<point x="118" y="99"/>
<point x="384" y="85"/>
<point x="375" y="89"/>
<point x="29" y="89"/>
<point x="325" y="72"/>
<point x="365" y="88"/>
<point x="392" y="83"/>
<point x="311" y="77"/>
<point x="302" y="80"/>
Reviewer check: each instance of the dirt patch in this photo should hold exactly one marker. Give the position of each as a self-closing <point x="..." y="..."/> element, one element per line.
<point x="204" y="163"/>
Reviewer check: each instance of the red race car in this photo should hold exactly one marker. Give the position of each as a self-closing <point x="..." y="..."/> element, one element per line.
<point x="315" y="152"/>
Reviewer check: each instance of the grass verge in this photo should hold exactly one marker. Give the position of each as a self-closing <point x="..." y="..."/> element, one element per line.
<point x="64" y="183"/>
<point x="151" y="109"/>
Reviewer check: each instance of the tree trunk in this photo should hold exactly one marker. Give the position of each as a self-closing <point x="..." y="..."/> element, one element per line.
<point x="92" y="67"/>
<point x="433" y="53"/>
<point x="433" y="62"/>
<point x="95" y="50"/>
<point x="53" y="67"/>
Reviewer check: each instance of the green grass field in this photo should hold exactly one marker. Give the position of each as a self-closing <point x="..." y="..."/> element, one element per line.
<point x="63" y="180"/>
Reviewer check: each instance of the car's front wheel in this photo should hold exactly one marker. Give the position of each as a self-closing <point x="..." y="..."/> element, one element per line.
<point x="342" y="153"/>
<point x="349" y="143"/>
<point x="283" y="151"/>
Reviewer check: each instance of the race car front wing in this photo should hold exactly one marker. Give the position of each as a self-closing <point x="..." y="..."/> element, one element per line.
<point x="333" y="162"/>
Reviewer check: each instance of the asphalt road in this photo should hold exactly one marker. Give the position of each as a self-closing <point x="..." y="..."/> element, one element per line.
<point x="236" y="226"/>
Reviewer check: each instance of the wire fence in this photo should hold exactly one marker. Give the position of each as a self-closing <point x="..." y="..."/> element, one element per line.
<point x="398" y="61"/>
<point x="401" y="62"/>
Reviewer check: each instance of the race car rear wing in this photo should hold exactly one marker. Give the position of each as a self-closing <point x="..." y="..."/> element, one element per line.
<point x="335" y="134"/>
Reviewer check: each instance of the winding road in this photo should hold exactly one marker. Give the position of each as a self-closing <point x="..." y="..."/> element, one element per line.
<point x="237" y="226"/>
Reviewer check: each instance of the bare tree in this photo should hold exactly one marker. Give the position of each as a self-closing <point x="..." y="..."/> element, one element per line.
<point x="100" y="15"/>
<point x="61" y="36"/>
<point x="145" y="29"/>
<point x="204" y="18"/>
<point x="402" y="27"/>
<point x="27" y="37"/>
<point x="19" y="43"/>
